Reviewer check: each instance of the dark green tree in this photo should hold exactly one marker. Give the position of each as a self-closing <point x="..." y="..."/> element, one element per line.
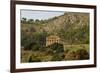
<point x="23" y="20"/>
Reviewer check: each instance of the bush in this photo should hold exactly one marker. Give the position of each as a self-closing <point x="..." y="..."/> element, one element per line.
<point x="57" y="48"/>
<point x="66" y="51"/>
<point x="57" y="57"/>
<point x="36" y="47"/>
<point x="82" y="54"/>
<point x="34" y="59"/>
<point x="70" y="55"/>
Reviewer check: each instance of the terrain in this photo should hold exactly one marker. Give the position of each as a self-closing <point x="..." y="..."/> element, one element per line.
<point x="71" y="27"/>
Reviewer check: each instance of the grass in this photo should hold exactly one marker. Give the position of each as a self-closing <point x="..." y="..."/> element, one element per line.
<point x="25" y="55"/>
<point x="76" y="47"/>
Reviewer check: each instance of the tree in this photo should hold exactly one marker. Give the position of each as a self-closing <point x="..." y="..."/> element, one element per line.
<point x="30" y="21"/>
<point x="23" y="20"/>
<point x="36" y="20"/>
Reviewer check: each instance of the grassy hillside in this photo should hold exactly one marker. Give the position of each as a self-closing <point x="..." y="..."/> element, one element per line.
<point x="72" y="28"/>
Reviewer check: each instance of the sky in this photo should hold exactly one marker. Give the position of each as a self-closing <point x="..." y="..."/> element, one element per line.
<point x="41" y="15"/>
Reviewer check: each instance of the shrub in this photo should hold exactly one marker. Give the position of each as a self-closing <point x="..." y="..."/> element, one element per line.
<point x="66" y="51"/>
<point x="82" y="54"/>
<point x="57" y="57"/>
<point x="35" y="47"/>
<point x="34" y="59"/>
<point x="57" y="48"/>
<point x="70" y="55"/>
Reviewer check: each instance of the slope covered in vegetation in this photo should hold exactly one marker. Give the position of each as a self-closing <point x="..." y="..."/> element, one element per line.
<point x="72" y="28"/>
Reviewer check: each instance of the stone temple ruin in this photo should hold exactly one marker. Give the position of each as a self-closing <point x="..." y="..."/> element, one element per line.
<point x="52" y="39"/>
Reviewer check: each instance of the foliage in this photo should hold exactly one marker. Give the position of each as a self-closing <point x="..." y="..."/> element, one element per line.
<point x="34" y="59"/>
<point x="80" y="54"/>
<point x="57" y="48"/>
<point x="70" y="55"/>
<point x="73" y="30"/>
<point x="72" y="52"/>
<point x="57" y="57"/>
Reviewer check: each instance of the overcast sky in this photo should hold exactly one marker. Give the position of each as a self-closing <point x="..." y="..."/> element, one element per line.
<point x="41" y="15"/>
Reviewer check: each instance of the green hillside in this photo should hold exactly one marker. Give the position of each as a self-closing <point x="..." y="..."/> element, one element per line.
<point x="72" y="28"/>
